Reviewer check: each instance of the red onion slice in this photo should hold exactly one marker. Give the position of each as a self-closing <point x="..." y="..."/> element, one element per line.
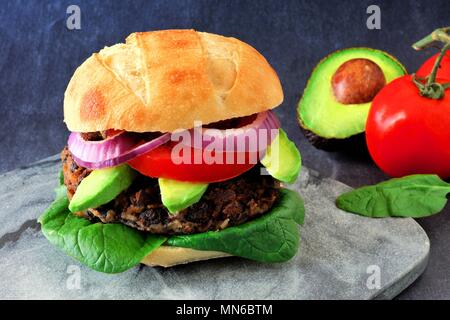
<point x="108" y="148"/>
<point x="254" y="137"/>
<point x="112" y="151"/>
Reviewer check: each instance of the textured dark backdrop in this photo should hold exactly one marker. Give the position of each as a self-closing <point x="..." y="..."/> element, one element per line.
<point x="38" y="55"/>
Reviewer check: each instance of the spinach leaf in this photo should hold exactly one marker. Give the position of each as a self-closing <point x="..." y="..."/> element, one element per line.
<point x="274" y="237"/>
<point x="61" y="177"/>
<point x="114" y="248"/>
<point x="109" y="248"/>
<point x="60" y="192"/>
<point x="411" y="196"/>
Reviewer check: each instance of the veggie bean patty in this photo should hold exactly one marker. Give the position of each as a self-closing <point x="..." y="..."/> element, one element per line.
<point x="224" y="204"/>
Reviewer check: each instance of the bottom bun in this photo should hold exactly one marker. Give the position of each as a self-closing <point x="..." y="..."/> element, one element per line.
<point x="166" y="256"/>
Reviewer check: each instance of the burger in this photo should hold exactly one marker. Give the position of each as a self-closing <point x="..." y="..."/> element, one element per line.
<point x="175" y="156"/>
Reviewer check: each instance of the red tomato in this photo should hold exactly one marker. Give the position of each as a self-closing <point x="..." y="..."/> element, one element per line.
<point x="409" y="134"/>
<point x="444" y="70"/>
<point x="158" y="163"/>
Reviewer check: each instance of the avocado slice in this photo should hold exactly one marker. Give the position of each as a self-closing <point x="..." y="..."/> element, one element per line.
<point x="282" y="159"/>
<point x="326" y="113"/>
<point x="178" y="195"/>
<point x="101" y="186"/>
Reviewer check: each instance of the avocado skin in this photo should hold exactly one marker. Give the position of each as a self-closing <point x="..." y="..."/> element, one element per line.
<point x="354" y="144"/>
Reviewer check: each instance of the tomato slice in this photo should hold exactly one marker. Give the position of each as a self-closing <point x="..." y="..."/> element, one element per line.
<point x="158" y="163"/>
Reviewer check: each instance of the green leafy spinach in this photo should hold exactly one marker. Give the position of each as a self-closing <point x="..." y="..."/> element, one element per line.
<point x="109" y="248"/>
<point x="411" y="196"/>
<point x="113" y="248"/>
<point x="274" y="237"/>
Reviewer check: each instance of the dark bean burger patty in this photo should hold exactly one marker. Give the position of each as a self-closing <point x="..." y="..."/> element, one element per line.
<point x="224" y="204"/>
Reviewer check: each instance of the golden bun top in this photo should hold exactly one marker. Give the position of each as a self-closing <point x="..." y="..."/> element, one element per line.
<point x="166" y="80"/>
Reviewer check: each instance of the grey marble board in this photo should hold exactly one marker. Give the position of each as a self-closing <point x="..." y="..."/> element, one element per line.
<point x="341" y="256"/>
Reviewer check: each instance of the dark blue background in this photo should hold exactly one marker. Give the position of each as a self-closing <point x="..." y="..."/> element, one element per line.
<point x="38" y="55"/>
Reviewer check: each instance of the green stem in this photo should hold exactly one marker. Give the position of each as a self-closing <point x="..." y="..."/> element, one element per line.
<point x="432" y="76"/>
<point x="440" y="35"/>
<point x="432" y="89"/>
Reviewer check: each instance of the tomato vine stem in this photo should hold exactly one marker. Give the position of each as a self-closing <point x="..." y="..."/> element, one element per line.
<point x="429" y="87"/>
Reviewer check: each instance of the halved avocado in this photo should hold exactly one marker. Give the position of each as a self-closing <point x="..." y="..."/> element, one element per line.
<point x="328" y="112"/>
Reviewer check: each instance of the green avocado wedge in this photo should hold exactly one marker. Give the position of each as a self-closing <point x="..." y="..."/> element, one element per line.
<point x="325" y="120"/>
<point x="282" y="159"/>
<point x="113" y="248"/>
<point x="178" y="195"/>
<point x="101" y="186"/>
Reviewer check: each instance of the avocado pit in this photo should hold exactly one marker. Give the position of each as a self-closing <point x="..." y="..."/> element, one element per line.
<point x="357" y="81"/>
